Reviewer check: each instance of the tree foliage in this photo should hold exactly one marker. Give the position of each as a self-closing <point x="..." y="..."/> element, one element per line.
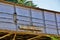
<point x="23" y="2"/>
<point x="30" y="3"/>
<point x="53" y="37"/>
<point x="12" y="1"/>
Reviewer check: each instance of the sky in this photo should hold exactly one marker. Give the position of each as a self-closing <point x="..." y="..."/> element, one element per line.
<point x="48" y="4"/>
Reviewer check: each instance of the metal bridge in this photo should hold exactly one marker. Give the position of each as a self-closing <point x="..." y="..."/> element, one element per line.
<point x="30" y="26"/>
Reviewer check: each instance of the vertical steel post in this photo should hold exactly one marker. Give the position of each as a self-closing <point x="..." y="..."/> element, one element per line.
<point x="15" y="16"/>
<point x="15" y="20"/>
<point x="56" y="24"/>
<point x="44" y="21"/>
<point x="30" y="13"/>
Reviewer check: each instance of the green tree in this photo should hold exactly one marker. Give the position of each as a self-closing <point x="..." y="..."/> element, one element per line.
<point x="12" y="1"/>
<point x="23" y="2"/>
<point x="53" y="37"/>
<point x="26" y="3"/>
<point x="30" y="3"/>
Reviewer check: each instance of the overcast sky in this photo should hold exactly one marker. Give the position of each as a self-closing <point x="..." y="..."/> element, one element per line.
<point x="48" y="4"/>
